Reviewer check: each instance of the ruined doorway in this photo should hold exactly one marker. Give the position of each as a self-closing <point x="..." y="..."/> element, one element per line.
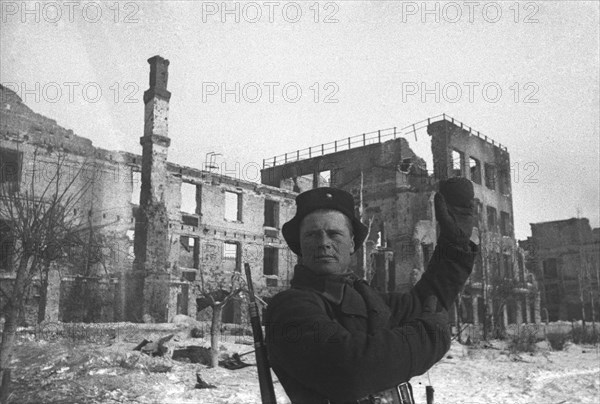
<point x="182" y="300"/>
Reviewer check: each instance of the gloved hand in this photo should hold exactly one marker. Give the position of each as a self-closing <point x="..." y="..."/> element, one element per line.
<point x="455" y="211"/>
<point x="378" y="312"/>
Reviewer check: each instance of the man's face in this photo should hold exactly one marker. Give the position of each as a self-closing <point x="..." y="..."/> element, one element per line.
<point x="326" y="242"/>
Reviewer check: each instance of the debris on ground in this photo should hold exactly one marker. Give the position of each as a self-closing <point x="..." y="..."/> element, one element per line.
<point x="158" y="348"/>
<point x="234" y="362"/>
<point x="65" y="367"/>
<point x="201" y="384"/>
<point x="193" y="354"/>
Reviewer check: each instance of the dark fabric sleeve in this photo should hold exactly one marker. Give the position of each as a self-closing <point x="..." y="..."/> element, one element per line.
<point x="304" y="342"/>
<point x="447" y="272"/>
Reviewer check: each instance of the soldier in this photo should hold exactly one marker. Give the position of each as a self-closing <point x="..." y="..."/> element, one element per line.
<point x="333" y="339"/>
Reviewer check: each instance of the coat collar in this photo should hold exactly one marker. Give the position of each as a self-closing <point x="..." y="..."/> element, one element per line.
<point x="332" y="287"/>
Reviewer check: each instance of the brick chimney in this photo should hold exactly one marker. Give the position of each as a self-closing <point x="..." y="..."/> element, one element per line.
<point x="151" y="276"/>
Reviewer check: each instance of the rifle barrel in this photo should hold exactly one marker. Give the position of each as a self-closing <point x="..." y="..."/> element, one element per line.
<point x="265" y="381"/>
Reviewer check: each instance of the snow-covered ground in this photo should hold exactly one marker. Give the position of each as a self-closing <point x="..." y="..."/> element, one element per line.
<point x="490" y="376"/>
<point x="110" y="372"/>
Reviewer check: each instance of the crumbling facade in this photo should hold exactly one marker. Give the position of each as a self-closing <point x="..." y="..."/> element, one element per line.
<point x="395" y="193"/>
<point x="163" y="234"/>
<point x="166" y="232"/>
<point x="460" y="151"/>
<point x="565" y="257"/>
<point x="35" y="150"/>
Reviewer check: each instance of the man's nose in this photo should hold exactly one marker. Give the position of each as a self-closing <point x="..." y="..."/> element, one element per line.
<point x="323" y="239"/>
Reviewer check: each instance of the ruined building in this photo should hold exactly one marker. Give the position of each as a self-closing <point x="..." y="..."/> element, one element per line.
<point x="564" y="255"/>
<point x="396" y="191"/>
<point x="163" y="233"/>
<point x="166" y="232"/>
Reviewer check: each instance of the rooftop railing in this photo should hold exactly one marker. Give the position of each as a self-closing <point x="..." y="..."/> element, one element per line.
<point x="368" y="138"/>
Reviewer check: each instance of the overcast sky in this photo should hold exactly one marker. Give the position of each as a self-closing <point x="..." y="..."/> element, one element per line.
<point x="304" y="73"/>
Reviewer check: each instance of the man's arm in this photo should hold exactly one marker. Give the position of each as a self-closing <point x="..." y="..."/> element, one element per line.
<point x="453" y="258"/>
<point x="447" y="272"/>
<point x="325" y="357"/>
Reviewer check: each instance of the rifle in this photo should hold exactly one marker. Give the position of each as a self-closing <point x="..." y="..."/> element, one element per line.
<point x="267" y="393"/>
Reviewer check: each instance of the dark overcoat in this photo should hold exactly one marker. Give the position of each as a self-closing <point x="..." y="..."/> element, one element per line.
<point x="334" y="339"/>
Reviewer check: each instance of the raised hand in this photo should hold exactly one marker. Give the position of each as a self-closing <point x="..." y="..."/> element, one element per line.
<point x="455" y="211"/>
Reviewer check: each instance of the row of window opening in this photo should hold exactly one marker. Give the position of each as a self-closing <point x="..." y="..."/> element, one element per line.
<point x="191" y="202"/>
<point x="493" y="179"/>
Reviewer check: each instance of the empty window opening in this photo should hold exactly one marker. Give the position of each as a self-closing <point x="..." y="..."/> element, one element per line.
<point x="504" y="181"/>
<point x="490" y="176"/>
<point x="324" y="179"/>
<point x="189" y="220"/>
<point x="458" y="162"/>
<point x="188" y="198"/>
<point x="475" y="170"/>
<point x="10" y="168"/>
<point x="270" y="265"/>
<point x="189" y="252"/>
<point x="229" y="250"/>
<point x="231" y="257"/>
<point x="271" y="213"/>
<point x="136" y="187"/>
<point x="182" y="300"/>
<point x="491" y="218"/>
<point x="233" y="206"/>
<point x="505" y="226"/>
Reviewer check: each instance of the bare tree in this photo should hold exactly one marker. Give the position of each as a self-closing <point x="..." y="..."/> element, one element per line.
<point x="216" y="295"/>
<point x="41" y="222"/>
<point x="499" y="288"/>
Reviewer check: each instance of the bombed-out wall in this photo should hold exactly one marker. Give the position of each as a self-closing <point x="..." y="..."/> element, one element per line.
<point x="194" y="229"/>
<point x="394" y="192"/>
<point x="565" y="257"/>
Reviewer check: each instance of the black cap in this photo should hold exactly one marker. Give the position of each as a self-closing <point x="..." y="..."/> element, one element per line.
<point x="322" y="198"/>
